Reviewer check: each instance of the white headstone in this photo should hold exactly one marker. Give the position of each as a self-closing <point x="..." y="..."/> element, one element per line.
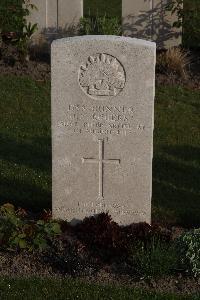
<point x="102" y="127"/>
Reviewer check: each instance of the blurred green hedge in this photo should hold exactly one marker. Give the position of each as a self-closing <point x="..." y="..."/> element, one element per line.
<point x="11" y="15"/>
<point x="191" y="23"/>
<point x="112" y="8"/>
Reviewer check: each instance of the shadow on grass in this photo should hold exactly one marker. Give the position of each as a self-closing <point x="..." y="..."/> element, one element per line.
<point x="176" y="185"/>
<point x="25" y="179"/>
<point x="26" y="171"/>
<point x="35" y="154"/>
<point x="186" y="153"/>
<point x="24" y="194"/>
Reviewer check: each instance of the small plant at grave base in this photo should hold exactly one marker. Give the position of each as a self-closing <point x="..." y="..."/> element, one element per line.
<point x="188" y="245"/>
<point x="173" y="62"/>
<point x="18" y="232"/>
<point x="101" y="236"/>
<point x="100" y="25"/>
<point x="157" y="258"/>
<point x="107" y="241"/>
<point x="23" y="41"/>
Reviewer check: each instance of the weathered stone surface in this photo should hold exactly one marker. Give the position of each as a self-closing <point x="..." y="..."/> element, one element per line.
<point x="69" y="13"/>
<point x="39" y="16"/>
<point x="102" y="127"/>
<point x="150" y="20"/>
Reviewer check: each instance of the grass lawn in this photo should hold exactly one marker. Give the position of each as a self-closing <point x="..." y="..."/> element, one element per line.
<point x="43" y="289"/>
<point x="25" y="150"/>
<point x="176" y="168"/>
<point x="25" y="143"/>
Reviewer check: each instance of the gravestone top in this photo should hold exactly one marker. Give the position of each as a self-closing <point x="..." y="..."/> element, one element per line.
<point x="110" y="38"/>
<point x="102" y="126"/>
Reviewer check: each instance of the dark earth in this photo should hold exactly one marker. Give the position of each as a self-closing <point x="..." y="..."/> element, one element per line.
<point x="25" y="264"/>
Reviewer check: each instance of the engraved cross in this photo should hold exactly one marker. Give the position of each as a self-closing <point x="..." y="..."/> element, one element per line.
<point x="101" y="161"/>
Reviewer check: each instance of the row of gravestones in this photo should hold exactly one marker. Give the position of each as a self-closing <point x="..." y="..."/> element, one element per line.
<point x="146" y="19"/>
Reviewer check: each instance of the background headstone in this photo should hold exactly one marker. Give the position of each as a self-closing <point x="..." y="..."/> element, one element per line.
<point x="102" y="127"/>
<point x="56" y="18"/>
<point x="150" y="20"/>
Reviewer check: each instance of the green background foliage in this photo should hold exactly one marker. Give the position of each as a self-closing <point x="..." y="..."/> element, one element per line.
<point x="191" y="24"/>
<point x="11" y="15"/>
<point x="112" y="8"/>
<point x="100" y="26"/>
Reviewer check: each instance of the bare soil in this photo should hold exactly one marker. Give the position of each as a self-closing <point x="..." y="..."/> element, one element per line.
<point x="38" y="68"/>
<point x="39" y="71"/>
<point x="12" y="64"/>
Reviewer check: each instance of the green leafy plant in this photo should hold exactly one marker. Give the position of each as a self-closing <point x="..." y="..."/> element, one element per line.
<point x="13" y="14"/>
<point x="188" y="245"/>
<point x="157" y="258"/>
<point x="14" y="27"/>
<point x="23" y="40"/>
<point x="100" y="25"/>
<point x="18" y="232"/>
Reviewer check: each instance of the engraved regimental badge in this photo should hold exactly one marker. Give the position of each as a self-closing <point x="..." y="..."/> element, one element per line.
<point x="102" y="75"/>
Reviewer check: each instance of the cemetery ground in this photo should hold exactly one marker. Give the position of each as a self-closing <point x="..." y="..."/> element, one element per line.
<point x="61" y="289"/>
<point x="25" y="181"/>
<point x="26" y="149"/>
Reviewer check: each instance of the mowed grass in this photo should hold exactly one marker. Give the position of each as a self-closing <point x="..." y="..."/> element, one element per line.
<point x="112" y="8"/>
<point x="25" y="143"/>
<point x="176" y="164"/>
<point x="51" y="289"/>
<point x="25" y="150"/>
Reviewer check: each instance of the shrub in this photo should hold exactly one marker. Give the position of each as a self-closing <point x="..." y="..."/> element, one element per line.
<point x="174" y="61"/>
<point x="14" y="27"/>
<point x="102" y="237"/>
<point x="107" y="241"/>
<point x="188" y="245"/>
<point x="100" y="25"/>
<point x="13" y="15"/>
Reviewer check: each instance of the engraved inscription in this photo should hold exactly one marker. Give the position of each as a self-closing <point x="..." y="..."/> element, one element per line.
<point x="102" y="75"/>
<point x="101" y="161"/>
<point x="99" y="208"/>
<point x="101" y="120"/>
